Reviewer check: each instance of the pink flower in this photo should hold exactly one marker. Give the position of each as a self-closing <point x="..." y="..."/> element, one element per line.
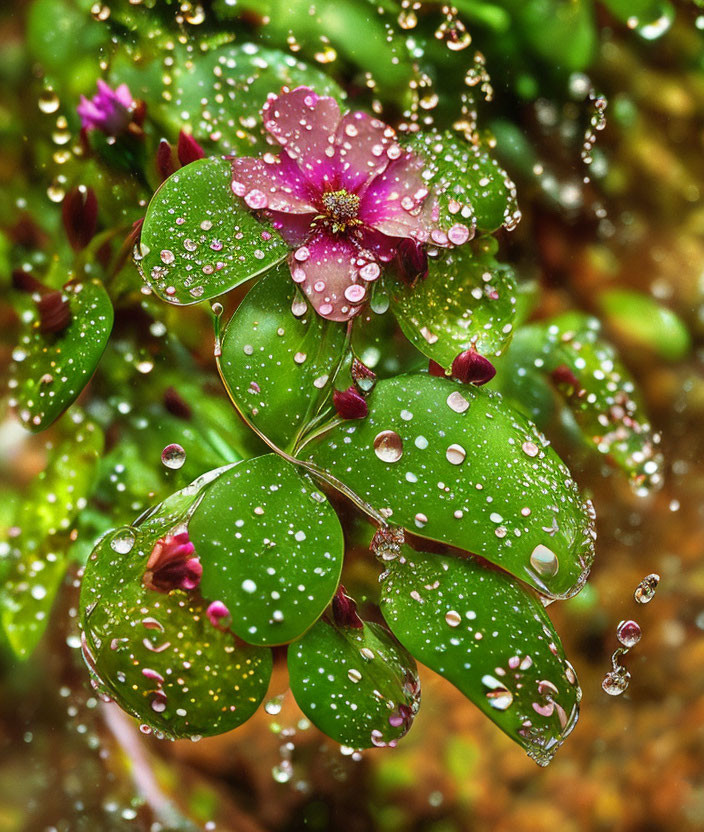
<point x="342" y="192"/>
<point x="109" y="110"/>
<point x="173" y="564"/>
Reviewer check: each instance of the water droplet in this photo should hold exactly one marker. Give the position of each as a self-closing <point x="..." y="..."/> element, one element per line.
<point x="388" y="446"/>
<point x="616" y="681"/>
<point x="544" y="561"/>
<point x="123" y="541"/>
<point x="455" y="454"/>
<point x="499" y="696"/>
<point x="273" y="706"/>
<point x="453" y="618"/>
<point x="457" y="402"/>
<point x="645" y="590"/>
<point x="173" y="456"/>
<point x="354" y="675"/>
<point x="628" y="633"/>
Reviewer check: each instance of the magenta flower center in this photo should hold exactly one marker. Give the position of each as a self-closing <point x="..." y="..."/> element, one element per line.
<point x="342" y="208"/>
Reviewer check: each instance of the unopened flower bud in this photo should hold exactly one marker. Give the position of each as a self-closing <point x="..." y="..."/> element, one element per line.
<point x="54" y="312"/>
<point x="472" y="368"/>
<point x="188" y="149"/>
<point x="79" y="212"/>
<point x="344" y="610"/>
<point x="349" y="404"/>
<point x="165" y="163"/>
<point x="412" y="261"/>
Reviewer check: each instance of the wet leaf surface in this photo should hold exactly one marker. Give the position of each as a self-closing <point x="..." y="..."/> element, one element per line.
<point x="467" y="300"/>
<point x="199" y="240"/>
<point x="595" y="385"/>
<point x="357" y="685"/>
<point x="473" y="189"/>
<point x="51" y="369"/>
<point x="458" y="465"/>
<point x="278" y="366"/>
<point x="271" y="548"/>
<point x="491" y="638"/>
<point x="36" y="556"/>
<point x="156" y="653"/>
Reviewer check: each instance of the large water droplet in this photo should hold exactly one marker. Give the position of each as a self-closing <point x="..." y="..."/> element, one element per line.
<point x="616" y="681"/>
<point x="123" y="541"/>
<point x="388" y="446"/>
<point x="544" y="561"/>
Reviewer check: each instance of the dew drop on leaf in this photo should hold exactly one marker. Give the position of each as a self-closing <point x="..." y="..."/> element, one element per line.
<point x="173" y="456"/>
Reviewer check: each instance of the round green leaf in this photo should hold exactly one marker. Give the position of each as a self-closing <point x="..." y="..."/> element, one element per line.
<point x="597" y="388"/>
<point x="158" y="654"/>
<point x="491" y="638"/>
<point x="199" y="240"/>
<point x="50" y="370"/>
<point x="357" y="685"/>
<point x="279" y="358"/>
<point x="457" y="464"/>
<point x="472" y="188"/>
<point x="271" y="548"/>
<point x="467" y="300"/>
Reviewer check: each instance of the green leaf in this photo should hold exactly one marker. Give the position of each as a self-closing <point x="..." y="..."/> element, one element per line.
<point x="467" y="300"/>
<point x="472" y="188"/>
<point x="50" y="371"/>
<point x="491" y="638"/>
<point x="357" y="685"/>
<point x="199" y="240"/>
<point x="596" y="387"/>
<point x="279" y="358"/>
<point x="36" y="553"/>
<point x="158" y="654"/>
<point x="220" y="93"/>
<point x="457" y="464"/>
<point x="271" y="548"/>
<point x="639" y="319"/>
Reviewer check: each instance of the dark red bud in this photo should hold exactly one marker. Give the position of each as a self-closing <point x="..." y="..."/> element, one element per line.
<point x="435" y="369"/>
<point x="139" y="112"/>
<point x="165" y="162"/>
<point x="54" y="312"/>
<point x="26" y="282"/>
<point x="412" y="261"/>
<point x="349" y="404"/>
<point x="188" y="149"/>
<point x="362" y="376"/>
<point x="80" y="215"/>
<point x="472" y="368"/>
<point x="176" y="404"/>
<point x="564" y="378"/>
<point x="344" y="610"/>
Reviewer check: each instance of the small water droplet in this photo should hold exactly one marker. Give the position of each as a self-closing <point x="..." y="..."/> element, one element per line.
<point x="544" y="561"/>
<point x="645" y="590"/>
<point x="388" y="446"/>
<point x="616" y="681"/>
<point x="123" y="541"/>
<point x="173" y="456"/>
<point x="453" y="618"/>
<point x="628" y="633"/>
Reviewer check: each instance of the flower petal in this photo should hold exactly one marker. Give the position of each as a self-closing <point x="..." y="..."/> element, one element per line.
<point x="304" y="123"/>
<point x="330" y="270"/>
<point x="364" y="147"/>
<point x="396" y="202"/>
<point x="273" y="182"/>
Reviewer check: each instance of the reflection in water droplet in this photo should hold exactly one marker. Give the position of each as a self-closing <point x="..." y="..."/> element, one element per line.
<point x="173" y="456"/>
<point x="628" y="633"/>
<point x="544" y="561"/>
<point x="498" y="695"/>
<point x="388" y="446"/>
<point x="123" y="541"/>
<point x="645" y="590"/>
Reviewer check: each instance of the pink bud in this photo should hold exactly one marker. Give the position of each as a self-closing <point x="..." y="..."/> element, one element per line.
<point x="188" y="149"/>
<point x="472" y="368"/>
<point x="173" y="564"/>
<point x="349" y="404"/>
<point x="218" y="615"/>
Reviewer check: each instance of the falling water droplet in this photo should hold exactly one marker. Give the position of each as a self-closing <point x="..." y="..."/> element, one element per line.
<point x="616" y="681"/>
<point x="645" y="590"/>
<point x="173" y="456"/>
<point x="628" y="633"/>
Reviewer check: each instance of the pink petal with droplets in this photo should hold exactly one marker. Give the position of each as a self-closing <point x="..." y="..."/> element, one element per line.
<point x="304" y="123"/>
<point x="396" y="202"/>
<point x="272" y="182"/>
<point x="362" y="145"/>
<point x="326" y="273"/>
